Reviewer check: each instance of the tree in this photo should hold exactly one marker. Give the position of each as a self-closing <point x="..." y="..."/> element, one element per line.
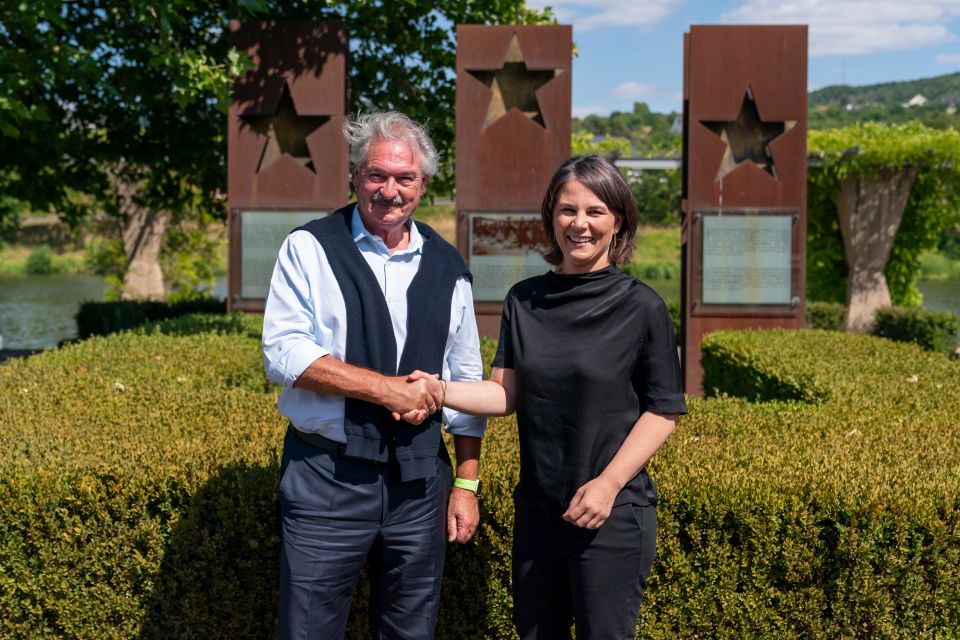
<point x="612" y="147"/>
<point x="879" y="195"/>
<point x="649" y="133"/>
<point x="117" y="106"/>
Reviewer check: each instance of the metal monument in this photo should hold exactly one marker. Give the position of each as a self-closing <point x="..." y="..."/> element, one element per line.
<point x="744" y="183"/>
<point x="513" y="131"/>
<point x="286" y="157"/>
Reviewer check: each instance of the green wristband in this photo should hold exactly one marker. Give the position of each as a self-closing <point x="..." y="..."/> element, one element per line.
<point x="469" y="485"/>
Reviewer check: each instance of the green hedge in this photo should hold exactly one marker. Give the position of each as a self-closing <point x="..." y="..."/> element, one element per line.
<point x="829" y="316"/>
<point x="932" y="330"/>
<point x="104" y="318"/>
<point x="138" y="494"/>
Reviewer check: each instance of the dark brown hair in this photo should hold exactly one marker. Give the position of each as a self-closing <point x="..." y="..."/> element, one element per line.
<point x="606" y="182"/>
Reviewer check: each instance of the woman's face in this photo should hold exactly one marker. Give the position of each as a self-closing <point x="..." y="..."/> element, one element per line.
<point x="583" y="227"/>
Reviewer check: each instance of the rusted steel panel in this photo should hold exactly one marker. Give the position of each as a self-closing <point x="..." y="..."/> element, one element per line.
<point x="505" y="156"/>
<point x="745" y="127"/>
<point x="304" y="64"/>
<point x="285" y="149"/>
<point x="513" y="131"/>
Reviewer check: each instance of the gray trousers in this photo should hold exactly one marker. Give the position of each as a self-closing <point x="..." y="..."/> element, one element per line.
<point x="338" y="512"/>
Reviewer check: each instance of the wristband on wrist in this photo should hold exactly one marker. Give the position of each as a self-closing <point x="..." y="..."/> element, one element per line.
<point x="470" y="485"/>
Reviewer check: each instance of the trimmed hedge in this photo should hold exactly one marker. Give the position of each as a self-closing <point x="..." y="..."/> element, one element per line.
<point x="104" y="318"/>
<point x="829" y="316"/>
<point x="138" y="494"/>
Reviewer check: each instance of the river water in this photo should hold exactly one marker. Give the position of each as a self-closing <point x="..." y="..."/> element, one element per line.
<point x="37" y="312"/>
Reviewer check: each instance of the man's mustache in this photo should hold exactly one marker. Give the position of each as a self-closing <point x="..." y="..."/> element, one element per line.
<point x="395" y="200"/>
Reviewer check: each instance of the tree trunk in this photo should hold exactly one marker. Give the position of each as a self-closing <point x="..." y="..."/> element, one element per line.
<point x="870" y="210"/>
<point x="143" y="236"/>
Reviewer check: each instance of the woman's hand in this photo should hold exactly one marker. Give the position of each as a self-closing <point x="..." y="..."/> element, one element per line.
<point x="591" y="504"/>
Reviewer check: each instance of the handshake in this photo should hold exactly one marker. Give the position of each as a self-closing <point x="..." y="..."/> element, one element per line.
<point x="415" y="396"/>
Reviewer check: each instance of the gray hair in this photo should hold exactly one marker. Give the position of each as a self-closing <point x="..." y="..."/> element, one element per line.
<point x="394" y="126"/>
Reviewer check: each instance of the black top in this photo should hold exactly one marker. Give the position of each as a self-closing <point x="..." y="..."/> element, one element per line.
<point x="591" y="352"/>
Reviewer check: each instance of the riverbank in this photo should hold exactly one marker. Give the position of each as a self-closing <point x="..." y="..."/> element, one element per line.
<point x="41" y="260"/>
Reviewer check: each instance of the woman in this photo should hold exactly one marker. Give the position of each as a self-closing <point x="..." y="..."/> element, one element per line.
<point x="588" y="359"/>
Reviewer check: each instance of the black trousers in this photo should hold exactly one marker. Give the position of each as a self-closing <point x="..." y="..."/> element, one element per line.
<point x="337" y="512"/>
<point x="563" y="574"/>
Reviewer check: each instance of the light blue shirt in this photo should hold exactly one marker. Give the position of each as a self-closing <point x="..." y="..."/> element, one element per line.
<point x="305" y="318"/>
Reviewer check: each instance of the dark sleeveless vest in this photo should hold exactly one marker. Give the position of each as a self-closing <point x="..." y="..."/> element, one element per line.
<point x="371" y="431"/>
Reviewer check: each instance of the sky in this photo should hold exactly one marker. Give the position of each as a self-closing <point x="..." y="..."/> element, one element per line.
<point x="632" y="50"/>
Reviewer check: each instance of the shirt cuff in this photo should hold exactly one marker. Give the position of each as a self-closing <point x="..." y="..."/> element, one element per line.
<point x="461" y="424"/>
<point x="300" y="356"/>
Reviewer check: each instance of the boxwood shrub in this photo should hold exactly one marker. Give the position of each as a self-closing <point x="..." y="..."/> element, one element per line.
<point x="933" y="330"/>
<point x="104" y="318"/>
<point x="829" y="316"/>
<point x="816" y="494"/>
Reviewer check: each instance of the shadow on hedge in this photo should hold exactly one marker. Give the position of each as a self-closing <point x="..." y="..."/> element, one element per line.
<point x="219" y="574"/>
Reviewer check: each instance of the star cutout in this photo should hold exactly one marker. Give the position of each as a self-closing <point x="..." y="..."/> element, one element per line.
<point x="285" y="132"/>
<point x="748" y="138"/>
<point x="514" y="86"/>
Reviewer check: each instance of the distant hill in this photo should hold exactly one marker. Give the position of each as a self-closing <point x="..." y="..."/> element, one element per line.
<point x="656" y="134"/>
<point x="842" y="105"/>
<point x="942" y="91"/>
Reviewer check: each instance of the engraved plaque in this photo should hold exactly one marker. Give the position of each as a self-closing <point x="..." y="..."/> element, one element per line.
<point x="261" y="234"/>
<point x="504" y="248"/>
<point x="746" y="259"/>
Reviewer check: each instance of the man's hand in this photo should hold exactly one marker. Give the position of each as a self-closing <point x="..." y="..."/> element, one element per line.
<point x="403" y="396"/>
<point x="463" y="515"/>
<point x="591" y="504"/>
<point x="434" y="389"/>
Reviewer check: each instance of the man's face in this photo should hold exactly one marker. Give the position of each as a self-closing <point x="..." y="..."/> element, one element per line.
<point x="389" y="185"/>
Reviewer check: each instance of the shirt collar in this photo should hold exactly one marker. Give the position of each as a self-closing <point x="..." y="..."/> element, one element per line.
<point x="361" y="234"/>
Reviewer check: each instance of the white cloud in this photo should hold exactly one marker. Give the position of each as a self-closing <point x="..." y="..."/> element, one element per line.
<point x="592" y="14"/>
<point x="854" y="27"/>
<point x="632" y="91"/>
<point x="948" y="59"/>
<point x="594" y="110"/>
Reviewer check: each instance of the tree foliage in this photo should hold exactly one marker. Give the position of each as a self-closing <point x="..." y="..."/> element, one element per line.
<point x="865" y="150"/>
<point x="649" y="133"/>
<point x="613" y="147"/>
<point x="94" y="92"/>
<point x="658" y="196"/>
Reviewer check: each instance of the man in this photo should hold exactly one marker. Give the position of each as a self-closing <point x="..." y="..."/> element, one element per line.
<point x="358" y="300"/>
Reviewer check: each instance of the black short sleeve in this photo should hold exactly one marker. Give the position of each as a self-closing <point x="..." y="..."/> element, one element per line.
<point x="504" y="356"/>
<point x="657" y="378"/>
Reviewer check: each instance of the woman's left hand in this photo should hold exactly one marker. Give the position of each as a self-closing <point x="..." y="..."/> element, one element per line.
<point x="591" y="504"/>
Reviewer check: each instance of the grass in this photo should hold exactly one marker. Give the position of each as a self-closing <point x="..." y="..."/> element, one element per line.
<point x="657" y="254"/>
<point x="938" y="266"/>
<point x="442" y="218"/>
<point x="14" y="260"/>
